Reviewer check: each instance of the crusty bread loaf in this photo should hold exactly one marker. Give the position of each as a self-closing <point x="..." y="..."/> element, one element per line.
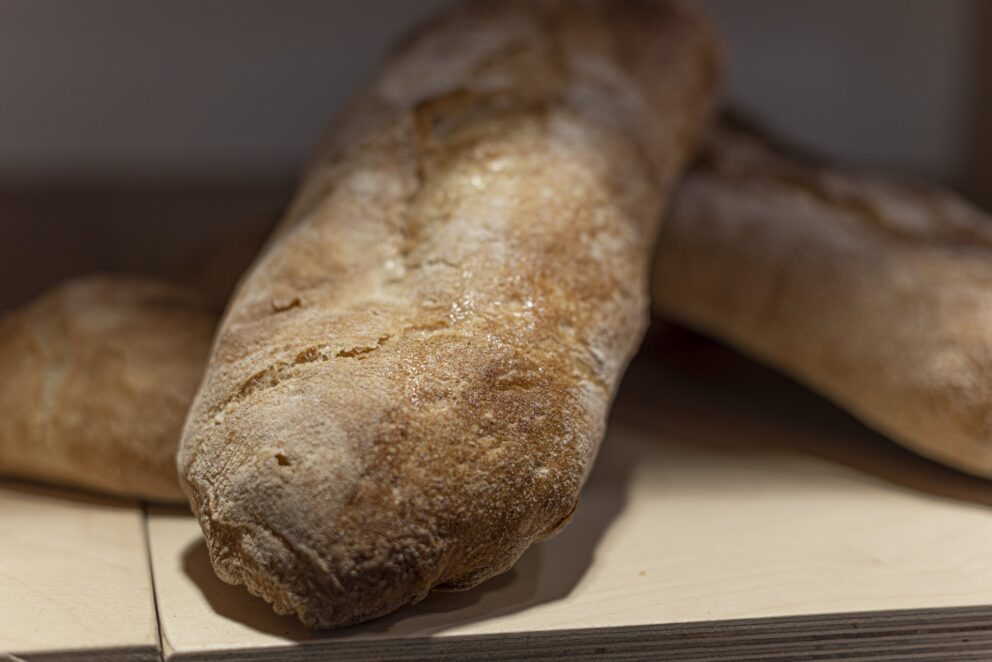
<point x="875" y="292"/>
<point x="412" y="382"/>
<point x="98" y="375"/>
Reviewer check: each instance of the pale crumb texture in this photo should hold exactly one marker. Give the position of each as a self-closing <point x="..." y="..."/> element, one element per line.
<point x="878" y="293"/>
<point x="411" y="384"/>
<point x="98" y="375"/>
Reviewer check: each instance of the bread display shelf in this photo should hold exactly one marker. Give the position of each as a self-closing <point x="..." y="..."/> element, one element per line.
<point x="731" y="515"/>
<point x="74" y="580"/>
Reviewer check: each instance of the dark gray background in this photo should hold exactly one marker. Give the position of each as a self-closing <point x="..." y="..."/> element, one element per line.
<point x="138" y="134"/>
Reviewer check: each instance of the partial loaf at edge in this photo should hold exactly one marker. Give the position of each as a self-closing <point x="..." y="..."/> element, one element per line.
<point x="98" y="375"/>
<point x="411" y="384"/>
<point x="876" y="292"/>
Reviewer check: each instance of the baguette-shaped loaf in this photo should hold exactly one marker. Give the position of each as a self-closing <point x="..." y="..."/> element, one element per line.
<point x="411" y="384"/>
<point x="98" y="375"/>
<point x="875" y="292"/>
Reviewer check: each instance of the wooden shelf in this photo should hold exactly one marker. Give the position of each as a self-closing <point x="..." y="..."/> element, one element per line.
<point x="731" y="516"/>
<point x="74" y="577"/>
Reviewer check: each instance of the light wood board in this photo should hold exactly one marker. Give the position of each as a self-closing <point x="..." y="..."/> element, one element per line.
<point x="74" y="577"/>
<point x="731" y="515"/>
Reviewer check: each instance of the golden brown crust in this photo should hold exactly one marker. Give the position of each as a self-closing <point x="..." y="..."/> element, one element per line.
<point x="876" y="292"/>
<point x="410" y="386"/>
<point x="98" y="375"/>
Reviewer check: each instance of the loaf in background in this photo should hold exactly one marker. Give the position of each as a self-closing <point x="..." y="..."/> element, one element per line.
<point x="873" y="291"/>
<point x="411" y="385"/>
<point x="98" y="374"/>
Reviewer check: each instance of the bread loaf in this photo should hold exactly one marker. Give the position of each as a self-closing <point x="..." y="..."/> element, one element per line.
<point x="876" y="292"/>
<point x="411" y="384"/>
<point x="98" y="375"/>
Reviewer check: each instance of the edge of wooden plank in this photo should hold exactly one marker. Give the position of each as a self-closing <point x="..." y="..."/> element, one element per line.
<point x="869" y="635"/>
<point x="128" y="654"/>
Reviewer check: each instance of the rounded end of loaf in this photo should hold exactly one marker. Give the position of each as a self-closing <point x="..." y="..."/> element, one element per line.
<point x="357" y="485"/>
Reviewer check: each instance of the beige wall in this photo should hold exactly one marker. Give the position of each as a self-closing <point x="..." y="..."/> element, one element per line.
<point x="108" y="90"/>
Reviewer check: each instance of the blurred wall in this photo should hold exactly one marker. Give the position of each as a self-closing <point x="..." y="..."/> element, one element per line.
<point x="883" y="83"/>
<point x="144" y="89"/>
<point x="164" y="136"/>
<point x="148" y="89"/>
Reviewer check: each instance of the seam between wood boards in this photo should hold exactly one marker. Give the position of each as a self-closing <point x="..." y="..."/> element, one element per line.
<point x="146" y="538"/>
